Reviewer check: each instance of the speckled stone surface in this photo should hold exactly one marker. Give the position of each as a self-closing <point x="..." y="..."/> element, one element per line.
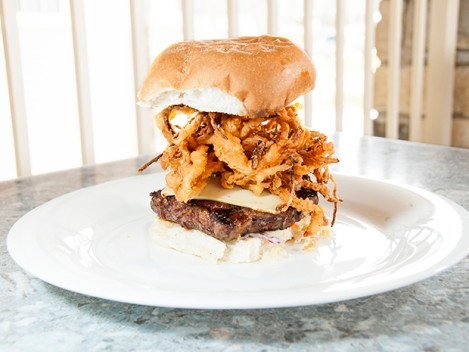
<point x="432" y="315"/>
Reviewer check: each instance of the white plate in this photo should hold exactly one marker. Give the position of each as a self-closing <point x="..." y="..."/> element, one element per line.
<point x="95" y="241"/>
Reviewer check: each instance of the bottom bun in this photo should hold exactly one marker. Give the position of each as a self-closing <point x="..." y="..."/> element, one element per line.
<point x="254" y="247"/>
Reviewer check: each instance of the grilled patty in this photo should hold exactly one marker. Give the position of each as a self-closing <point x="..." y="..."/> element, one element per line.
<point x="223" y="221"/>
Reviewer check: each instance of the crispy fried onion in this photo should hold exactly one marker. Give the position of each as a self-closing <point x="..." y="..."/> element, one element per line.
<point x="274" y="153"/>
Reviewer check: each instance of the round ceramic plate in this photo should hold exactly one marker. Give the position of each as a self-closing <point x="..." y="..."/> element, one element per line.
<point x="95" y="241"/>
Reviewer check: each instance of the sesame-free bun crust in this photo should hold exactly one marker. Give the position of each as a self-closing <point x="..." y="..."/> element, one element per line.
<point x="246" y="76"/>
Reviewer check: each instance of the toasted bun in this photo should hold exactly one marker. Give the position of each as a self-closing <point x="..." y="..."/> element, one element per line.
<point x="246" y="76"/>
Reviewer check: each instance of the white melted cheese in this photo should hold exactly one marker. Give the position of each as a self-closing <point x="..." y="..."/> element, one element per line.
<point x="266" y="202"/>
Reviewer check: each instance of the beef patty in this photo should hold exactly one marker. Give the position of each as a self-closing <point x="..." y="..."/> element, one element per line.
<point x="223" y="221"/>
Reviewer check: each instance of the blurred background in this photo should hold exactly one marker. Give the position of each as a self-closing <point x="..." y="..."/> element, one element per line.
<point x="70" y="69"/>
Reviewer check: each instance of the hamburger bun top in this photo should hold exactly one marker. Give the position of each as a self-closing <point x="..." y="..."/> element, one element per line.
<point x="246" y="76"/>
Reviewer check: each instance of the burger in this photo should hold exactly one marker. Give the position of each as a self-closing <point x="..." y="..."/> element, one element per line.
<point x="244" y="176"/>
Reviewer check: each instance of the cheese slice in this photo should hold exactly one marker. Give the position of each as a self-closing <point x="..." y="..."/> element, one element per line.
<point x="266" y="202"/>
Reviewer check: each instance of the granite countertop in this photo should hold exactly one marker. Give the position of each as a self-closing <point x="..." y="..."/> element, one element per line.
<point x="432" y="315"/>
